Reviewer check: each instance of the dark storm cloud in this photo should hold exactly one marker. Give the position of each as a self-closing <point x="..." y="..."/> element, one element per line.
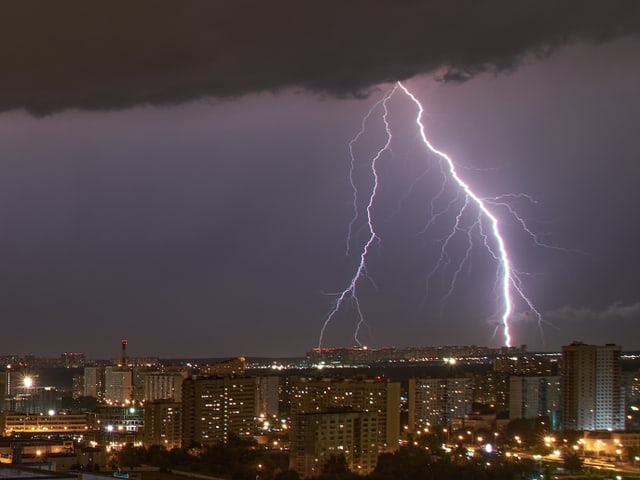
<point x="116" y="54"/>
<point x="614" y="312"/>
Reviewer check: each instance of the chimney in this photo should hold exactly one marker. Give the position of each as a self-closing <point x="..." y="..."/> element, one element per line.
<point x="123" y="361"/>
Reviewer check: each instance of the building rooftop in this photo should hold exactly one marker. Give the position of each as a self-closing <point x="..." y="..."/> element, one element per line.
<point x="15" y="472"/>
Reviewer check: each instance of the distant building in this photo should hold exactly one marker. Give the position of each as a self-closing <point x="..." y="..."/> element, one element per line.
<point x="215" y="408"/>
<point x="533" y="397"/>
<point x="378" y="396"/>
<point x="148" y="362"/>
<point x="3" y="390"/>
<point x="361" y="355"/>
<point x="14" y="380"/>
<point x="21" y="391"/>
<point x="609" y="443"/>
<point x="73" y="360"/>
<point x="491" y="389"/>
<point x="118" y="424"/>
<point x="94" y="382"/>
<point x="118" y="388"/>
<point x="13" y="423"/>
<point x="316" y="437"/>
<point x="592" y="394"/>
<point x="43" y="400"/>
<point x="631" y="386"/>
<point x="163" y="424"/>
<point x="479" y="421"/>
<point x="234" y="366"/>
<point x="162" y="386"/>
<point x="438" y="401"/>
<point x="77" y="386"/>
<point x="268" y="396"/>
<point x="528" y="365"/>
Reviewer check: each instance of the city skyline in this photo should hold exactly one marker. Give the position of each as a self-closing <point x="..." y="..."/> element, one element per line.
<point x="208" y="217"/>
<point x="582" y="402"/>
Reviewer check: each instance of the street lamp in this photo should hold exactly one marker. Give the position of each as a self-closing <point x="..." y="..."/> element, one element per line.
<point x="27" y="383"/>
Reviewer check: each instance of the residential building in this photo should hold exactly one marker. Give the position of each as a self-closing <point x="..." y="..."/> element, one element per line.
<point x="316" y="437"/>
<point x="592" y="394"/>
<point x="163" y="424"/>
<point x="268" y="400"/>
<point x="438" y="401"/>
<point x="534" y="396"/>
<point x="162" y="386"/>
<point x="94" y="382"/>
<point x="215" y="408"/>
<point x="118" y="385"/>
<point x="378" y="395"/>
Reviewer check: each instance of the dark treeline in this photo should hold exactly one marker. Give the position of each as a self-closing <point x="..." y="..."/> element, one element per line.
<point x="244" y="460"/>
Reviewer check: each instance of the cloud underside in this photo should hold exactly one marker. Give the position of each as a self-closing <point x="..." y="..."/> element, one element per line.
<point x="117" y="54"/>
<point x="615" y="311"/>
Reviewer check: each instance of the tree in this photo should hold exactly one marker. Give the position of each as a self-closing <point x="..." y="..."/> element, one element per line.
<point x="335" y="465"/>
<point x="179" y="457"/>
<point x="405" y="464"/>
<point x="158" y="456"/>
<point x="288" y="475"/>
<point x="572" y="462"/>
<point x="130" y="456"/>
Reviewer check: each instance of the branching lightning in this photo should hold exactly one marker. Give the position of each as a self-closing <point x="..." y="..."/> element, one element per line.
<point x="350" y="293"/>
<point x="484" y="223"/>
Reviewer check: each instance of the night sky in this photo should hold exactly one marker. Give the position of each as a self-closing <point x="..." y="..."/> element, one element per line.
<point x="177" y="173"/>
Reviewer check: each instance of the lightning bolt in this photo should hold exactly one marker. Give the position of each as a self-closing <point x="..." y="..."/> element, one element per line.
<point x="349" y="294"/>
<point x="485" y="223"/>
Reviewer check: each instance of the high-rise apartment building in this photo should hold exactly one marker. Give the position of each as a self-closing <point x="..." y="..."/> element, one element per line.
<point x="118" y="385"/>
<point x="163" y="424"/>
<point x="534" y="396"/>
<point x="77" y="385"/>
<point x="491" y="389"/>
<point x="438" y="401"/>
<point x="268" y="399"/>
<point x="379" y="396"/>
<point x="94" y="382"/>
<point x="162" y="386"/>
<point x="214" y="408"/>
<point x="592" y="396"/>
<point x="15" y="381"/>
<point x="318" y="436"/>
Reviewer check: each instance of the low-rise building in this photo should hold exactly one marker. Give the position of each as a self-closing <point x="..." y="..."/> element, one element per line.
<point x="13" y="423"/>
